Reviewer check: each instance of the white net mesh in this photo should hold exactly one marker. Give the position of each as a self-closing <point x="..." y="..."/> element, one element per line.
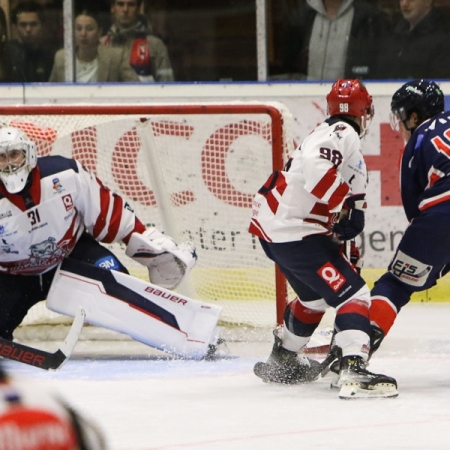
<point x="191" y="171"/>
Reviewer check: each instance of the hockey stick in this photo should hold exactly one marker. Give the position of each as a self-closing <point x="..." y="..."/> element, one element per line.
<point x="40" y="358"/>
<point x="324" y="367"/>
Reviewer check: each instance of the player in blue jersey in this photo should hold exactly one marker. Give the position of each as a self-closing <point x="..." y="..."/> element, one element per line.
<point x="423" y="254"/>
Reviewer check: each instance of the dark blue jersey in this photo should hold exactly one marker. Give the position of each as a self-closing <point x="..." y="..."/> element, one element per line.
<point x="425" y="167"/>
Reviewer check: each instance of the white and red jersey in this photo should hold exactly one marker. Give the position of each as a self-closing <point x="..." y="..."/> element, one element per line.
<point x="307" y="196"/>
<point x="40" y="225"/>
<point x="34" y="418"/>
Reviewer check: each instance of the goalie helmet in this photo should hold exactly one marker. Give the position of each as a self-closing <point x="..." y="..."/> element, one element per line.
<point x="350" y="97"/>
<point x="420" y="96"/>
<point x="18" y="158"/>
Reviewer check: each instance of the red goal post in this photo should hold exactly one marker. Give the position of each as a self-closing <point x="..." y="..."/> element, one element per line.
<point x="192" y="171"/>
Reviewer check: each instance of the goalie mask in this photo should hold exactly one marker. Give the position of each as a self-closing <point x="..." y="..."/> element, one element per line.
<point x="17" y="158"/>
<point x="350" y="97"/>
<point x="425" y="98"/>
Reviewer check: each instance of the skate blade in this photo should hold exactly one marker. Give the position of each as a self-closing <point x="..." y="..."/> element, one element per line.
<point x="335" y="382"/>
<point x="381" y="390"/>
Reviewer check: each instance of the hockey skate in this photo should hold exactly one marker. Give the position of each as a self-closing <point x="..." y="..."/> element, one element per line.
<point x="355" y="381"/>
<point x="376" y="337"/>
<point x="217" y="350"/>
<point x="287" y="367"/>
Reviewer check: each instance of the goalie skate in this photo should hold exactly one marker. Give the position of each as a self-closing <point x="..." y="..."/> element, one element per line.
<point x="217" y="351"/>
<point x="287" y="367"/>
<point x="355" y="381"/>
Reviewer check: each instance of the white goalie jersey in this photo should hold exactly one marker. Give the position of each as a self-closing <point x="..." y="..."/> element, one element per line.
<point x="40" y="225"/>
<point x="307" y="196"/>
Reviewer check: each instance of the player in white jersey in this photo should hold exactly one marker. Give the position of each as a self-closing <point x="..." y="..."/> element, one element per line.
<point x="35" y="418"/>
<point x="53" y="216"/>
<point x="302" y="215"/>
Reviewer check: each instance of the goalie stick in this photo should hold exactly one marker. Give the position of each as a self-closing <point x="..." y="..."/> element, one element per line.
<point x="40" y="358"/>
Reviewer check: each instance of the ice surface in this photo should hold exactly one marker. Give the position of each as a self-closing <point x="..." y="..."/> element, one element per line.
<point x="144" y="400"/>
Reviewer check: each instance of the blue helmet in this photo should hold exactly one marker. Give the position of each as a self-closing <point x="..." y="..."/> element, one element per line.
<point x="420" y="96"/>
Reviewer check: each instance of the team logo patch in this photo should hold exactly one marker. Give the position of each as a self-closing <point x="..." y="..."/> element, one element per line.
<point x="332" y="276"/>
<point x="6" y="248"/>
<point x="108" y="263"/>
<point x="57" y="186"/>
<point x="410" y="270"/>
<point x="45" y="251"/>
<point x="68" y="202"/>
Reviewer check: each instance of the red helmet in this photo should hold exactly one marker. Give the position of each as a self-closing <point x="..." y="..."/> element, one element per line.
<point x="351" y="97"/>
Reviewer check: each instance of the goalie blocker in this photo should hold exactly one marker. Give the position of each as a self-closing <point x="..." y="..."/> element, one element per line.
<point x="147" y="313"/>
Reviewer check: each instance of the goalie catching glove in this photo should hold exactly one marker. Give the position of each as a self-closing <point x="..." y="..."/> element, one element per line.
<point x="168" y="263"/>
<point x="352" y="219"/>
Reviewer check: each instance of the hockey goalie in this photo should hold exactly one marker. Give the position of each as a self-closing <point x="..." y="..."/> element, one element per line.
<point x="54" y="215"/>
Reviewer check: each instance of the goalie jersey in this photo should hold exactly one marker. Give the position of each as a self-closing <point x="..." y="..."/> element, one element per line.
<point x="40" y="225"/>
<point x="307" y="196"/>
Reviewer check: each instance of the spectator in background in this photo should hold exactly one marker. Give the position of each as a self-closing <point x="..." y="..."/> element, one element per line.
<point x="330" y="39"/>
<point x="34" y="418"/>
<point x="93" y="62"/>
<point x="26" y="58"/>
<point x="419" y="44"/>
<point x="148" y="54"/>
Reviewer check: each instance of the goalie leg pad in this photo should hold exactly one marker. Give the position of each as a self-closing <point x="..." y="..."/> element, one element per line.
<point x="147" y="313"/>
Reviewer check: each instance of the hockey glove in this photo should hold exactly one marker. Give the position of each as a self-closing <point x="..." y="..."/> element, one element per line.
<point x="352" y="219"/>
<point x="168" y="263"/>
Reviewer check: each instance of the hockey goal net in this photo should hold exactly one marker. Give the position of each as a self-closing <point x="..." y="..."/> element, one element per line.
<point x="191" y="170"/>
